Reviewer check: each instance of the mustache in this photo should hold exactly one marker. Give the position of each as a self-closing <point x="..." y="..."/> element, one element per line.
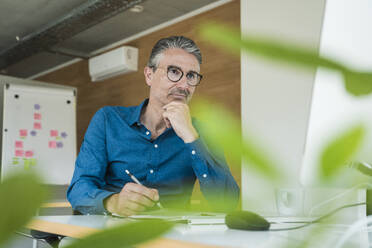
<point x="178" y="91"/>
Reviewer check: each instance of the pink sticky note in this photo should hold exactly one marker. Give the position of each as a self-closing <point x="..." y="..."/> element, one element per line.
<point x="19" y="153"/>
<point x="23" y="132"/>
<point x="53" y="133"/>
<point x="37" y="125"/>
<point x="52" y="144"/>
<point x="19" y="144"/>
<point x="37" y="116"/>
<point x="29" y="154"/>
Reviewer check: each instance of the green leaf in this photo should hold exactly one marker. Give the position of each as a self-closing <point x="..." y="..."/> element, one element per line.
<point x="221" y="130"/>
<point x="124" y="235"/>
<point x="20" y="195"/>
<point x="356" y="83"/>
<point x="340" y="151"/>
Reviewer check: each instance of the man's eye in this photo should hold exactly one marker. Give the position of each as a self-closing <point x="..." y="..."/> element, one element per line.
<point x="190" y="75"/>
<point x="174" y="71"/>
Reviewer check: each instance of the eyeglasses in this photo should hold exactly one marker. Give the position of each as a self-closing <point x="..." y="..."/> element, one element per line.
<point x="175" y="74"/>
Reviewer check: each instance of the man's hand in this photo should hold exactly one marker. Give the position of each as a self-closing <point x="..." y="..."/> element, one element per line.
<point x="177" y="115"/>
<point x="132" y="199"/>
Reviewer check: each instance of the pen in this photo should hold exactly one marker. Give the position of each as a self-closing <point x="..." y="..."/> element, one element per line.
<point x="138" y="182"/>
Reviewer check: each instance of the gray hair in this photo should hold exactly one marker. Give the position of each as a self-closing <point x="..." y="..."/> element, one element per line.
<point x="173" y="42"/>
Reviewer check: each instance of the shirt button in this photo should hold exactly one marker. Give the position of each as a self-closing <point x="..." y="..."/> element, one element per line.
<point x="193" y="152"/>
<point x="204" y="175"/>
<point x="151" y="171"/>
<point x="147" y="132"/>
<point x="156" y="145"/>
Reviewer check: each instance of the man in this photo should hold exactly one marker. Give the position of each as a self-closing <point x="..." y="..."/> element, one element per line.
<point x="156" y="141"/>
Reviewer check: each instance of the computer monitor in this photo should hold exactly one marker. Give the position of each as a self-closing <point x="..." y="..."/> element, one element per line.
<point x="345" y="38"/>
<point x="293" y="111"/>
<point x="276" y="97"/>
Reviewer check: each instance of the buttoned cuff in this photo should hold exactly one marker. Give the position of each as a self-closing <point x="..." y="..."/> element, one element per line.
<point x="100" y="197"/>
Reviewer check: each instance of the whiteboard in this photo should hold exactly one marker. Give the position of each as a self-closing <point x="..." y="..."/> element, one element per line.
<point x="39" y="131"/>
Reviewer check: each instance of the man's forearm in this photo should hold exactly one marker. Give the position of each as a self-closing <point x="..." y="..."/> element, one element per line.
<point x="216" y="181"/>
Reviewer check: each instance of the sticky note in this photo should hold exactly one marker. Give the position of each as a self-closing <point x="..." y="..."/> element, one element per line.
<point x="19" y="153"/>
<point x="33" y="133"/>
<point x="54" y="133"/>
<point x="58" y="138"/>
<point x="37" y="106"/>
<point x="37" y="125"/>
<point x="63" y="134"/>
<point x="19" y="144"/>
<point x="59" y="144"/>
<point x="23" y="132"/>
<point x="52" y="144"/>
<point x="29" y="154"/>
<point x="37" y="116"/>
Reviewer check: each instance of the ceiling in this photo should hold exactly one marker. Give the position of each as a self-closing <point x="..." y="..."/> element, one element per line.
<point x="39" y="35"/>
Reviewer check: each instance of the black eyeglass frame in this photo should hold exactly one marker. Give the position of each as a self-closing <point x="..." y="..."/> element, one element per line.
<point x="200" y="76"/>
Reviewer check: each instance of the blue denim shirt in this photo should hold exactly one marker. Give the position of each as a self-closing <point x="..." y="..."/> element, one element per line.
<point x="116" y="140"/>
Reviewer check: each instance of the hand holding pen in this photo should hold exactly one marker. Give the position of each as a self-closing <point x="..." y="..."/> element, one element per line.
<point x="138" y="182"/>
<point x="132" y="199"/>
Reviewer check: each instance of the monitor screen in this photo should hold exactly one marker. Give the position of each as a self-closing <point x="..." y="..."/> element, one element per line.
<point x="346" y="38"/>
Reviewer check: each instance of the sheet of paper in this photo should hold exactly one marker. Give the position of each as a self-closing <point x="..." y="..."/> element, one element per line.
<point x="192" y="218"/>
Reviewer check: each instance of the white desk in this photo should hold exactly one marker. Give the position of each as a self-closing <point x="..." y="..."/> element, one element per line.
<point x="202" y="236"/>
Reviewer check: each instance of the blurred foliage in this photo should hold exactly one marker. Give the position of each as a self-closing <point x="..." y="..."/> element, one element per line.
<point x="21" y="195"/>
<point x="226" y="133"/>
<point x="340" y="151"/>
<point x="221" y="129"/>
<point x="125" y="235"/>
<point x="336" y="154"/>
<point x="356" y="83"/>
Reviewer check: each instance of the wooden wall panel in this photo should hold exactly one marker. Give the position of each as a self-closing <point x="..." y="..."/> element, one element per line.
<point x="221" y="72"/>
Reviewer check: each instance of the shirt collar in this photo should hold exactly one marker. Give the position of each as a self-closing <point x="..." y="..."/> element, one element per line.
<point x="136" y="114"/>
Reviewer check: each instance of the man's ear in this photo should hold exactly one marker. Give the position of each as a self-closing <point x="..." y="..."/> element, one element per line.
<point x="149" y="74"/>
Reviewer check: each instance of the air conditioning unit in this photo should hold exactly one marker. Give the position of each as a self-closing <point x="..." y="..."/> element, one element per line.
<point x="116" y="62"/>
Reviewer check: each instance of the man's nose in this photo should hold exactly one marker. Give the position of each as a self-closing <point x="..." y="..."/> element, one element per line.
<point x="183" y="83"/>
